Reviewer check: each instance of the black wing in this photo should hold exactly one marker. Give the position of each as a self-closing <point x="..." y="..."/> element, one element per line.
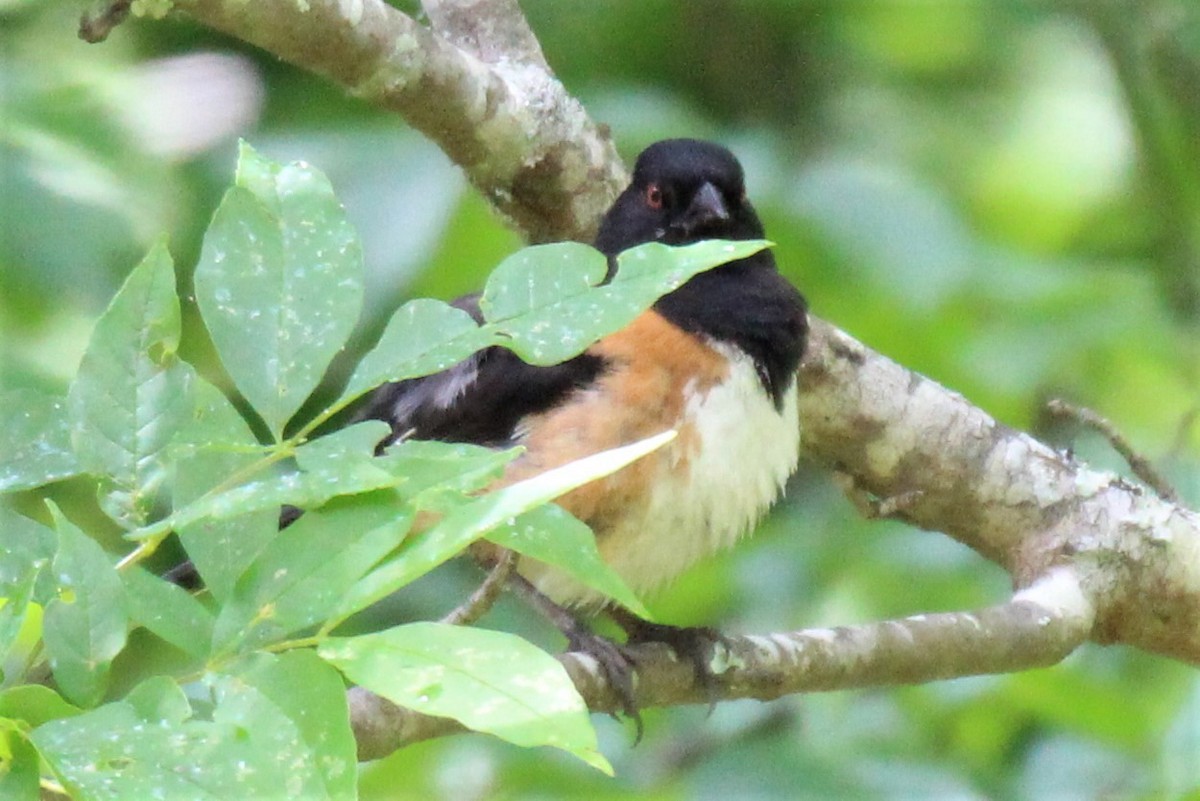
<point x="480" y="400"/>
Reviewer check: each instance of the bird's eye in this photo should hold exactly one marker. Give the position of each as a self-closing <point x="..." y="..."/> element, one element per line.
<point x="654" y="196"/>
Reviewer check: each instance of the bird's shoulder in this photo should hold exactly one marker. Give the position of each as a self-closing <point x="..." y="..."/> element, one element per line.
<point x="482" y="399"/>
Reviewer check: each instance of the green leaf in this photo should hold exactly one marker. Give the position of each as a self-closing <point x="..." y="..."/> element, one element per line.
<point x="439" y="467"/>
<point x="250" y="749"/>
<point x="548" y="315"/>
<point x="542" y="302"/>
<point x="538" y="278"/>
<point x="424" y="336"/>
<point x="26" y="550"/>
<point x="346" y="446"/>
<point x="34" y="705"/>
<point x="467" y="523"/>
<point x="312" y="695"/>
<point x="132" y="393"/>
<point x="659" y="269"/>
<point x="279" y="283"/>
<point x="279" y="730"/>
<point x="26" y="648"/>
<point x="19" y="765"/>
<point x="35" y="441"/>
<point x="487" y="680"/>
<point x="85" y="626"/>
<point x="258" y="174"/>
<point x="301" y="576"/>
<point x="551" y="535"/>
<point x="160" y="699"/>
<point x="216" y="444"/>
<point x="295" y="488"/>
<point x="341" y="463"/>
<point x="169" y="611"/>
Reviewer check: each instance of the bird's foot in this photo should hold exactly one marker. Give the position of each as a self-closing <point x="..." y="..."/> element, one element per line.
<point x="694" y="644"/>
<point x="616" y="664"/>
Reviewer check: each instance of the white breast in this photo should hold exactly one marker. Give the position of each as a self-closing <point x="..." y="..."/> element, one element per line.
<point x="743" y="454"/>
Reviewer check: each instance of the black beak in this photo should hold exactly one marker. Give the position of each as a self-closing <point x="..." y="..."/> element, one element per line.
<point x="706" y="210"/>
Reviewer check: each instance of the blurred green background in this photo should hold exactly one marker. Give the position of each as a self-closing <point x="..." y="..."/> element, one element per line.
<point x="1004" y="196"/>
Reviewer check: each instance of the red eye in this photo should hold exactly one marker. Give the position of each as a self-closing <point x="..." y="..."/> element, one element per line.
<point x="654" y="196"/>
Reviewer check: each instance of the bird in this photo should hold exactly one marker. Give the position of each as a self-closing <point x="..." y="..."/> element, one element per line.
<point x="716" y="360"/>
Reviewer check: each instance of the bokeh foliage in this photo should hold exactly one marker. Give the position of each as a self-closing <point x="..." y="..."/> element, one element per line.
<point x="1004" y="196"/>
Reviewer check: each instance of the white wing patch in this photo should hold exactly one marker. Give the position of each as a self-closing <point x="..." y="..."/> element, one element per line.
<point x="441" y="390"/>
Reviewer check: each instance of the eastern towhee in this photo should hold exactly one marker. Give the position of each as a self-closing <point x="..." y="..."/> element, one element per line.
<point x="715" y="360"/>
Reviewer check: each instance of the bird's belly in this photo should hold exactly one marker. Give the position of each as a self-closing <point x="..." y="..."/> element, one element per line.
<point x="712" y="484"/>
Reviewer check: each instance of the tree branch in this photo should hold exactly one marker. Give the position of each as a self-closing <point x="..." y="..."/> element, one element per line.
<point x="523" y="142"/>
<point x="494" y="31"/>
<point x="95" y="25"/>
<point x="1038" y="627"/>
<point x="1016" y="501"/>
<point x="1142" y="467"/>
<point x="486" y="594"/>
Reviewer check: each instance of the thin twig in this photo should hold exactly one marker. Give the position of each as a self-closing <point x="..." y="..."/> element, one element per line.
<point x="1183" y="432"/>
<point x="1140" y="465"/>
<point x="893" y="507"/>
<point x="485" y="595"/>
<point x="96" y="25"/>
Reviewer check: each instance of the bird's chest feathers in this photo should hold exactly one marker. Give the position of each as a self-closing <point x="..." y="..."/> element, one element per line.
<point x="744" y="451"/>
<point x="734" y="452"/>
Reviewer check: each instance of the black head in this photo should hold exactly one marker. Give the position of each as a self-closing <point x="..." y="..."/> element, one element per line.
<point x="683" y="191"/>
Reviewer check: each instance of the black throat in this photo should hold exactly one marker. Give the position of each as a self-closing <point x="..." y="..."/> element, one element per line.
<point x="749" y="305"/>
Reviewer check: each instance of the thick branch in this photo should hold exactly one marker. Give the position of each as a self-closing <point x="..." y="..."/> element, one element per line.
<point x="1038" y="627"/>
<point x="523" y="142"/>
<point x="494" y="31"/>
<point x="1003" y="493"/>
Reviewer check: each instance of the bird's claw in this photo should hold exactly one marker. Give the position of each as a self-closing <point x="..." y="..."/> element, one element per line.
<point x="694" y="644"/>
<point x="618" y="668"/>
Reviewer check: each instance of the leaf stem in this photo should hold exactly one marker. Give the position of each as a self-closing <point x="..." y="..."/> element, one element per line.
<point x="152" y="536"/>
<point x="298" y="642"/>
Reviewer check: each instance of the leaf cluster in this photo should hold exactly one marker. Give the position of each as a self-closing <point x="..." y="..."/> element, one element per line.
<point x="256" y="700"/>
